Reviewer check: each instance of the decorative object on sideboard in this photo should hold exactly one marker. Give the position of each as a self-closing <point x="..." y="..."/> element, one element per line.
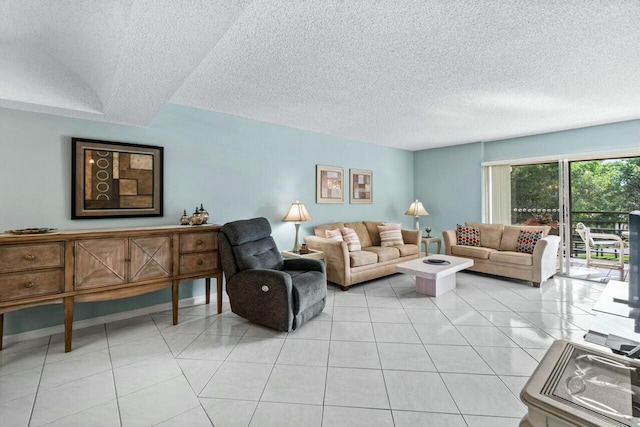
<point x="115" y="180"/>
<point x="361" y="186"/>
<point x="29" y="231"/>
<point x="204" y="213"/>
<point x="304" y="249"/>
<point x="196" y="218"/>
<point x="428" y="230"/>
<point x="329" y="184"/>
<point x="417" y="210"/>
<point x="184" y="219"/>
<point x="297" y="214"/>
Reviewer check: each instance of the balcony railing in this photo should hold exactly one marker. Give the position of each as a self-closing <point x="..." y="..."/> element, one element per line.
<point x="610" y="222"/>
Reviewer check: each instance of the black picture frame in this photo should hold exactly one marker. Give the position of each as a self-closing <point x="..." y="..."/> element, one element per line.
<point x="115" y="179"/>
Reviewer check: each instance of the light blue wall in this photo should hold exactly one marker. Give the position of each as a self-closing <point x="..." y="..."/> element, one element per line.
<point x="587" y="140"/>
<point x="238" y="168"/>
<point x="449" y="180"/>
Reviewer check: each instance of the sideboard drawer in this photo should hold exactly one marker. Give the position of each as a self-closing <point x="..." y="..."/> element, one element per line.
<point x="27" y="284"/>
<point x="26" y="256"/>
<point x="198" y="242"/>
<point x="198" y="262"/>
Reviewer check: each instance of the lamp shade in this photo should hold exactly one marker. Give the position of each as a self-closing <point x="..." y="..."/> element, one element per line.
<point x="297" y="212"/>
<point x="416" y="209"/>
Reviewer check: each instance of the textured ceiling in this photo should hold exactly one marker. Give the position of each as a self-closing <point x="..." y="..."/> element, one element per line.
<point x="407" y="74"/>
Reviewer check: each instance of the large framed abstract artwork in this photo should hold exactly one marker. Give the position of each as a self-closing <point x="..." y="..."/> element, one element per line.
<point x="115" y="180"/>
<point x="329" y="184"/>
<point x="361" y="186"/>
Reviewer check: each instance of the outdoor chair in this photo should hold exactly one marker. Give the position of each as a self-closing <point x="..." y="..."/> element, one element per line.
<point x="263" y="287"/>
<point x="599" y="242"/>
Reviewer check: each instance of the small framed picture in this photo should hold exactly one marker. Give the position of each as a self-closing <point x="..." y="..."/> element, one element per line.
<point x="329" y="184"/>
<point x="361" y="186"/>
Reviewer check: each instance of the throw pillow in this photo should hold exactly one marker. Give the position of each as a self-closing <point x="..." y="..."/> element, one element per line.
<point x="527" y="241"/>
<point x="334" y="235"/>
<point x="351" y="239"/>
<point x="390" y="235"/>
<point x="467" y="236"/>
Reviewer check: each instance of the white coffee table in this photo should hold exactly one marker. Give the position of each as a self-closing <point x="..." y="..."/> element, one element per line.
<point x="434" y="279"/>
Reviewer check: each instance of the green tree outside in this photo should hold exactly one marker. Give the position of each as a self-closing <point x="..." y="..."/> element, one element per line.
<point x="611" y="185"/>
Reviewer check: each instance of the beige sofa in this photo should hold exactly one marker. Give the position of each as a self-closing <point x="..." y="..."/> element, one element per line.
<point x="497" y="252"/>
<point x="348" y="268"/>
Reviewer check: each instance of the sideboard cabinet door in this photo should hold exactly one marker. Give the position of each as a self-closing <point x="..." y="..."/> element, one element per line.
<point x="151" y="258"/>
<point x="100" y="262"/>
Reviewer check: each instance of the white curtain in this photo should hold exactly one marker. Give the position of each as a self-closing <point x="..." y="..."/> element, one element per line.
<point x="498" y="191"/>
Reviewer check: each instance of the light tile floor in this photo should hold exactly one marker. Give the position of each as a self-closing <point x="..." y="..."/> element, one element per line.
<point x="379" y="355"/>
<point x="580" y="270"/>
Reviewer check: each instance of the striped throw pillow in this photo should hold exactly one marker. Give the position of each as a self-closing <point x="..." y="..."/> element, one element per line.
<point x="334" y="235"/>
<point x="390" y="235"/>
<point x="527" y="241"/>
<point x="351" y="239"/>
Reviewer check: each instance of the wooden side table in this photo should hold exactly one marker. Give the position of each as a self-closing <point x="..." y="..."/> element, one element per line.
<point x="427" y="241"/>
<point x="313" y="254"/>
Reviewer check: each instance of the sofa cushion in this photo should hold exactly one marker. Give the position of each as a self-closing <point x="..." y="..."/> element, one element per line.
<point x="360" y="258"/>
<point x="334" y="235"/>
<point x="320" y="230"/>
<point x="406" y="250"/>
<point x="527" y="241"/>
<point x="512" y="232"/>
<point x="467" y="236"/>
<point x="384" y="254"/>
<point x="351" y="239"/>
<point x="374" y="234"/>
<point x="509" y="257"/>
<point x="472" y="251"/>
<point x="490" y="234"/>
<point x="390" y="235"/>
<point x="361" y="231"/>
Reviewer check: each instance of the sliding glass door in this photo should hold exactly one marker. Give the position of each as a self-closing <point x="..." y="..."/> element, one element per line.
<point x="598" y="193"/>
<point x="602" y="192"/>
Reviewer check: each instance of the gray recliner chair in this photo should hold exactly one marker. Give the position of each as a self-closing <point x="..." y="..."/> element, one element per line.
<point x="262" y="286"/>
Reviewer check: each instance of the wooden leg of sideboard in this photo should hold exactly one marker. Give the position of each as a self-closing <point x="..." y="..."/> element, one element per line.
<point x="1" y="329"/>
<point x="68" y="323"/>
<point x="207" y="289"/>
<point x="219" y="292"/>
<point x="175" y="296"/>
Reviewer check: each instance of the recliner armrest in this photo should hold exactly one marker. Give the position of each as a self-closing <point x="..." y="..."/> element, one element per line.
<point x="304" y="264"/>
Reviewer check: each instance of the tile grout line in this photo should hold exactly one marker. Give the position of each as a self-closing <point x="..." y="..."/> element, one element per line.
<point x="37" y="393"/>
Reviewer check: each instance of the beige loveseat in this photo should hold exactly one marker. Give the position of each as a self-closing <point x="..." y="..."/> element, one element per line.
<point x="348" y="268"/>
<point x="497" y="252"/>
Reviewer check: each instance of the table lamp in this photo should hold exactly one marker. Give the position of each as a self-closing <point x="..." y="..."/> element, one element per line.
<point x="297" y="213"/>
<point x="416" y="209"/>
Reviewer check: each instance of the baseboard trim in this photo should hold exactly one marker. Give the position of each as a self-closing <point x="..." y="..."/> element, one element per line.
<point x="52" y="330"/>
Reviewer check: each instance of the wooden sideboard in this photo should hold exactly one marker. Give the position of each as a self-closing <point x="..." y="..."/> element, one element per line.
<point x="104" y="264"/>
